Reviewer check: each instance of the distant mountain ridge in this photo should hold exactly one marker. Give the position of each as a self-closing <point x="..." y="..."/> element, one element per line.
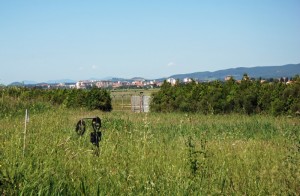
<point x="288" y="70"/>
<point x="61" y="81"/>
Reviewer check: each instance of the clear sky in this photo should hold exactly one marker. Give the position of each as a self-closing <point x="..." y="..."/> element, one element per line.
<point x="76" y="39"/>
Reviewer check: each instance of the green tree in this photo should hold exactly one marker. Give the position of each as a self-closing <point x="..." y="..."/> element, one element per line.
<point x="98" y="99"/>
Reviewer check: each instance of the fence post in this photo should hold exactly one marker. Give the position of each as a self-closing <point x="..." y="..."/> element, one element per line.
<point x="122" y="102"/>
<point x="24" y="138"/>
<point x="141" y="101"/>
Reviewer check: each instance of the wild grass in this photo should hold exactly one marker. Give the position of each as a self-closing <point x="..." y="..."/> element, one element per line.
<point x="151" y="154"/>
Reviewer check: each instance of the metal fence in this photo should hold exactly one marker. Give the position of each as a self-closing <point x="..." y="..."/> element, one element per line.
<point x="121" y="102"/>
<point x="129" y="102"/>
<point x="140" y="103"/>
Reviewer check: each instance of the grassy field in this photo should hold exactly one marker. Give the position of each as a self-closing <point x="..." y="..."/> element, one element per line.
<point x="152" y="154"/>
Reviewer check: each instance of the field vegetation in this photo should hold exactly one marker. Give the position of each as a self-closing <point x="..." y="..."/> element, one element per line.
<point x="151" y="154"/>
<point x="169" y="153"/>
<point x="14" y="100"/>
<point x="245" y="97"/>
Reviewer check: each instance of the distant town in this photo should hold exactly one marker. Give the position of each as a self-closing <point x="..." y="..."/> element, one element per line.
<point x="132" y="83"/>
<point x="109" y="84"/>
<point x="283" y="73"/>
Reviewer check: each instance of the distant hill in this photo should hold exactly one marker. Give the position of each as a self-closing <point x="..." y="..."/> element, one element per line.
<point x="25" y="82"/>
<point x="29" y="82"/>
<point x="289" y="70"/>
<point x="60" y="81"/>
<point x="16" y="84"/>
<point x="137" y="78"/>
<point x="33" y="83"/>
<point x="115" y="79"/>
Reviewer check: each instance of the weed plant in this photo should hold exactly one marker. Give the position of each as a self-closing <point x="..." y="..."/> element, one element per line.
<point x="150" y="154"/>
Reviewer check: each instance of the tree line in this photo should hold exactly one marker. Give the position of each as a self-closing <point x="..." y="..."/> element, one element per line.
<point x="15" y="99"/>
<point x="246" y="96"/>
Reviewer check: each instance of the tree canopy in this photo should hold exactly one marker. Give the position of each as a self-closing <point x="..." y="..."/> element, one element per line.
<point x="246" y="96"/>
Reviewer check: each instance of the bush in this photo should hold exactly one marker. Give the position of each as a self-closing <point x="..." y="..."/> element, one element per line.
<point x="248" y="97"/>
<point x="99" y="99"/>
<point x="14" y="100"/>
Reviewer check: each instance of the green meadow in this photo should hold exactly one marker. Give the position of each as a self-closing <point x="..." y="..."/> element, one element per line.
<point x="150" y="154"/>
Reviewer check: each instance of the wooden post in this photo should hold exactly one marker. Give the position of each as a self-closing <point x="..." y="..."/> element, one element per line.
<point x="114" y="101"/>
<point x="122" y="101"/>
<point x="24" y="138"/>
<point x="141" y="102"/>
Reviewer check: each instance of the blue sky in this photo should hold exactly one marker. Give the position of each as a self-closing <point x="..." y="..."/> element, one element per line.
<point x="51" y="40"/>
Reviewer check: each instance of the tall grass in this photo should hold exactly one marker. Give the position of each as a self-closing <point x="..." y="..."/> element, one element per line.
<point x="11" y="107"/>
<point x="151" y="154"/>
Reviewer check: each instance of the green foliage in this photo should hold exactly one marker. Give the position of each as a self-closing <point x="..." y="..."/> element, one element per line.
<point x="151" y="154"/>
<point x="14" y="100"/>
<point x="99" y="99"/>
<point x="246" y="97"/>
<point x="75" y="98"/>
<point x="277" y="107"/>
